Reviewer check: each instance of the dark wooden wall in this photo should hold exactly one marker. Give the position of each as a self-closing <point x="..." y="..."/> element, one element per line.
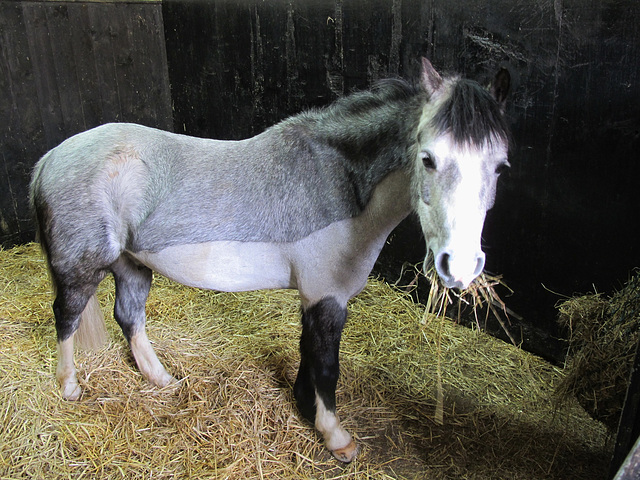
<point x="67" y="67"/>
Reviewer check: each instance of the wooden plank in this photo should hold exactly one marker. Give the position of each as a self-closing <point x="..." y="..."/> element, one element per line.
<point x="371" y="29"/>
<point x="209" y="82"/>
<point x="64" y="46"/>
<point x="21" y="136"/>
<point x="130" y="59"/>
<point x="270" y="62"/>
<point x="84" y="64"/>
<point x="143" y="53"/>
<point x="106" y="60"/>
<point x="41" y="55"/>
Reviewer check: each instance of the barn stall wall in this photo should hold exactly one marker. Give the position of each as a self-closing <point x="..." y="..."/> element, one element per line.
<point x="67" y="67"/>
<point x="565" y="216"/>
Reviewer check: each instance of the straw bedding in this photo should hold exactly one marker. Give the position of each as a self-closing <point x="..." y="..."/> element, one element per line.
<point x="602" y="345"/>
<point x="233" y="414"/>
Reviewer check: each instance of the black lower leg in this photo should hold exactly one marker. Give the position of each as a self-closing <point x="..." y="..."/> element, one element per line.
<point x="68" y="306"/>
<point x="322" y="326"/>
<point x="67" y="315"/>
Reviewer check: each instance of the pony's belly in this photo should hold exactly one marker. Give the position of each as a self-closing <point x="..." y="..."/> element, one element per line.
<point x="225" y="266"/>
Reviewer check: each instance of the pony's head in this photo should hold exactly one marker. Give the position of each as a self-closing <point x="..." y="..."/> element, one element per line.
<point x="462" y="144"/>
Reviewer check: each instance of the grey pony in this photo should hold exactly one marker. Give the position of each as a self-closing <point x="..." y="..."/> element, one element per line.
<point x="307" y="204"/>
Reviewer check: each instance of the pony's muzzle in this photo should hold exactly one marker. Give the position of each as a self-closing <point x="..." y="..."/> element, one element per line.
<point x="456" y="272"/>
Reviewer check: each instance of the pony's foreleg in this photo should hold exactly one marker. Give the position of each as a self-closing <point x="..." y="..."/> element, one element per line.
<point x="315" y="387"/>
<point x="133" y="282"/>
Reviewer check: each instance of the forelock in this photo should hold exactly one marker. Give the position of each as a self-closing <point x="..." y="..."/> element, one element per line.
<point x="471" y="115"/>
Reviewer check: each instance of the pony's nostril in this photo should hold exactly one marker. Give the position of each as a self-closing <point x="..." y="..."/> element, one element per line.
<point x="442" y="265"/>
<point x="479" y="264"/>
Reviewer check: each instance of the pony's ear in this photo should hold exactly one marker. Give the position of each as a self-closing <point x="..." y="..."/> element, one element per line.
<point x="500" y="87"/>
<point x="430" y="79"/>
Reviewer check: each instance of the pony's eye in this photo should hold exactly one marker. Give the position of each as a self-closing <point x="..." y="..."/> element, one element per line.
<point x="428" y="161"/>
<point x="503" y="167"/>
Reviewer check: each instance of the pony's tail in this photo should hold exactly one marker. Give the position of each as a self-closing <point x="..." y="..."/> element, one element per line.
<point x="92" y="331"/>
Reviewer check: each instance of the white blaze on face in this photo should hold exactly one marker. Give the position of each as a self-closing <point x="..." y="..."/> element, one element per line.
<point x="457" y="209"/>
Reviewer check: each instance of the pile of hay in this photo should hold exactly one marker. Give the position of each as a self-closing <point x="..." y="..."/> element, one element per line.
<point x="480" y="295"/>
<point x="602" y="344"/>
<point x="233" y="416"/>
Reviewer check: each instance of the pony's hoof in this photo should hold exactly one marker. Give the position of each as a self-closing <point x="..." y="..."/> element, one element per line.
<point x="162" y="380"/>
<point x="71" y="391"/>
<point x="167" y="381"/>
<point x="168" y="384"/>
<point x="346" y="454"/>
<point x="171" y="384"/>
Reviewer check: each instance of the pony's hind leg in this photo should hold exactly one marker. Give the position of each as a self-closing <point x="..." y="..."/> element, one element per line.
<point x="315" y="387"/>
<point x="133" y="282"/>
<point x="67" y="309"/>
<point x="66" y="371"/>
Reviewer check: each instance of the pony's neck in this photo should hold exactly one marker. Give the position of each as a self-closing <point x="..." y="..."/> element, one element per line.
<point x="374" y="129"/>
<point x="371" y="133"/>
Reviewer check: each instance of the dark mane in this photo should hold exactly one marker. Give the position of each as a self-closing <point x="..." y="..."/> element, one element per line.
<point x="360" y="114"/>
<point x="368" y="121"/>
<point x="382" y="93"/>
<point x="471" y="115"/>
